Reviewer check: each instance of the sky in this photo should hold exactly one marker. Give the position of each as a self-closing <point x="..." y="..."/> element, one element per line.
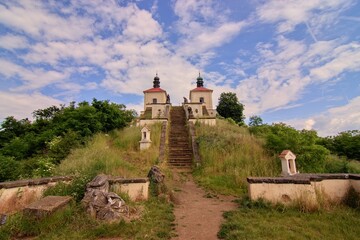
<point x="290" y="61"/>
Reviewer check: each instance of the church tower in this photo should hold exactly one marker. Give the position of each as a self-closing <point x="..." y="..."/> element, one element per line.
<point x="200" y="107"/>
<point x="200" y="94"/>
<point x="156" y="104"/>
<point x="154" y="95"/>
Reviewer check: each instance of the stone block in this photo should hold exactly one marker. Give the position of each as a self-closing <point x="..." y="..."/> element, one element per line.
<point x="46" y="206"/>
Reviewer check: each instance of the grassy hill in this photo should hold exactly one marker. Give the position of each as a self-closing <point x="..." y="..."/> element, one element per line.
<point x="229" y="154"/>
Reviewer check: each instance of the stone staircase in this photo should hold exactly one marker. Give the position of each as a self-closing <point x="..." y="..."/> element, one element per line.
<point x="180" y="153"/>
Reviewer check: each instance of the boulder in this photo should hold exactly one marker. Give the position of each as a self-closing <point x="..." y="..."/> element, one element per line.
<point x="102" y="204"/>
<point x="155" y="175"/>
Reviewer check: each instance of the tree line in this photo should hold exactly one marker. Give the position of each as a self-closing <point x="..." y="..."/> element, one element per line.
<point x="30" y="149"/>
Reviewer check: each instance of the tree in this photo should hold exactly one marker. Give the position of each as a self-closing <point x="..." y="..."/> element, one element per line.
<point x="255" y="121"/>
<point x="230" y="107"/>
<point x="344" y="144"/>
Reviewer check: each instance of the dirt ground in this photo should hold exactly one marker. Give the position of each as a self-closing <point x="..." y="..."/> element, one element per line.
<point x="198" y="213"/>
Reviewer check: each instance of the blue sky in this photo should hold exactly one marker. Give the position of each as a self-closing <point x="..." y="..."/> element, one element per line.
<point x="289" y="61"/>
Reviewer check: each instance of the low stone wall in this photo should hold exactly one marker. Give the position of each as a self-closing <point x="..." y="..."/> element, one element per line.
<point x="162" y="148"/>
<point x="207" y="121"/>
<point x="136" y="188"/>
<point x="15" y="195"/>
<point x="332" y="187"/>
<point x="149" y="122"/>
<point x="194" y="145"/>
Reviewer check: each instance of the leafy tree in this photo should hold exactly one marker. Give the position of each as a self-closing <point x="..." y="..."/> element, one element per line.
<point x="311" y="157"/>
<point x="12" y="128"/>
<point x="255" y="121"/>
<point x="344" y="144"/>
<point x="230" y="107"/>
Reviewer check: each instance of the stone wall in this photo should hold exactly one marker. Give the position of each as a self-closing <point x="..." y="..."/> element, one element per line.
<point x="332" y="187"/>
<point x="16" y="195"/>
<point x="149" y="122"/>
<point x="194" y="145"/>
<point x="207" y="121"/>
<point x="136" y="188"/>
<point x="162" y="147"/>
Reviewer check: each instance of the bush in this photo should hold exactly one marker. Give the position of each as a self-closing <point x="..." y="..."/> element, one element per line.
<point x="9" y="168"/>
<point x="76" y="188"/>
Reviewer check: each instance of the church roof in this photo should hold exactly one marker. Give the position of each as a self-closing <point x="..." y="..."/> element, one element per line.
<point x="201" y="89"/>
<point x="200" y="85"/>
<point x="154" y="90"/>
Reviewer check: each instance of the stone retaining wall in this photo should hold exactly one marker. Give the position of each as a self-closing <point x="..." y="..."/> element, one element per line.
<point x="162" y="148"/>
<point x="194" y="145"/>
<point x="136" y="188"/>
<point x="15" y="195"/>
<point x="332" y="187"/>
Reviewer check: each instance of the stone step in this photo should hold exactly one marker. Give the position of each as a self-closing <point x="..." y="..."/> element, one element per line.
<point x="180" y="151"/>
<point x="181" y="165"/>
<point x="46" y="206"/>
<point x="180" y="158"/>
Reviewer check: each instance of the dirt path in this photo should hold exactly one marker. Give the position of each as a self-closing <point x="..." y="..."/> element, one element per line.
<point x="198" y="213"/>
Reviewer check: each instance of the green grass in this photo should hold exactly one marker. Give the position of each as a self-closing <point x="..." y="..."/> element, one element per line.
<point x="116" y="154"/>
<point x="229" y="155"/>
<point x="74" y="223"/>
<point x="262" y="221"/>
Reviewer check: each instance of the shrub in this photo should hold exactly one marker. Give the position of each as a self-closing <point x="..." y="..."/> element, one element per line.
<point x="9" y="168"/>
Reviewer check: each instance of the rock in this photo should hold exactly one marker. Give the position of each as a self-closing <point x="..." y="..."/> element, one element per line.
<point x="100" y="182"/>
<point x="3" y="219"/>
<point x="102" y="204"/>
<point x="155" y="175"/>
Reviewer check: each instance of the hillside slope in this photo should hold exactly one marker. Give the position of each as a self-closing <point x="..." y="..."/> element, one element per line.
<point x="229" y="155"/>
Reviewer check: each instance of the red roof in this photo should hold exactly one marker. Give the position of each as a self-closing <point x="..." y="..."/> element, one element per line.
<point x="154" y="90"/>
<point x="201" y="89"/>
<point x="284" y="153"/>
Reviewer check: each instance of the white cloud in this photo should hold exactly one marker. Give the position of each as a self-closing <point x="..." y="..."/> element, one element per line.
<point x="333" y="120"/>
<point x="32" y="17"/>
<point x="288" y="14"/>
<point x="210" y="38"/>
<point x="343" y="58"/>
<point x="21" y="105"/>
<point x="142" y="27"/>
<point x="204" y="25"/>
<point x="11" y="41"/>
<point x="33" y="78"/>
<point x="280" y="79"/>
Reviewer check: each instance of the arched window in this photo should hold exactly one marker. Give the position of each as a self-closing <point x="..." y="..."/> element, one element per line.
<point x="202" y="100"/>
<point x="154" y="100"/>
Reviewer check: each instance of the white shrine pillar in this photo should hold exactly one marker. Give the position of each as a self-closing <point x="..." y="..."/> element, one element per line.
<point x="288" y="165"/>
<point x="145" y="141"/>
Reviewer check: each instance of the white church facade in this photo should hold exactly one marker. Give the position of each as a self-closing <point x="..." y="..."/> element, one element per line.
<point x="157" y="104"/>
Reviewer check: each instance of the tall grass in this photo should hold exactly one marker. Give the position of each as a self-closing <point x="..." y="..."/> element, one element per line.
<point x="230" y="154"/>
<point x="115" y="154"/>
